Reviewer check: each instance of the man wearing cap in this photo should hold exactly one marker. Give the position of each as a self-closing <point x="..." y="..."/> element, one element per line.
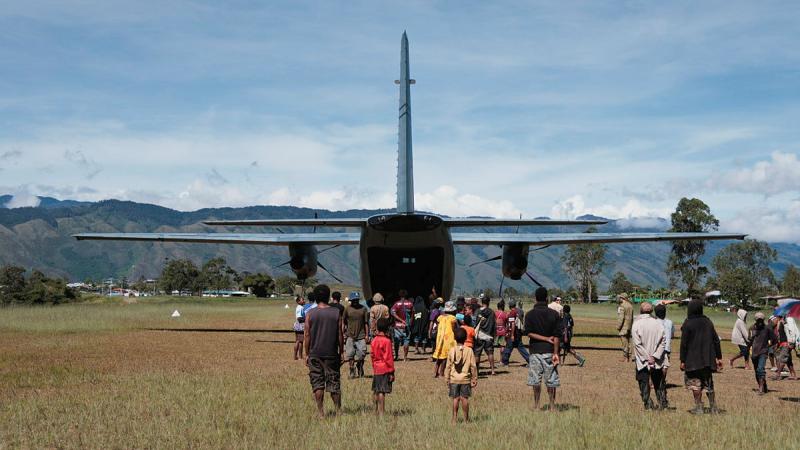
<point x="624" y="323"/>
<point x="324" y="345"/>
<point x="378" y="311"/>
<point x="355" y="347"/>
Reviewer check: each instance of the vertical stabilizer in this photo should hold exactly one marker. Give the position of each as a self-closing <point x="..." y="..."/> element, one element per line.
<point x="405" y="165"/>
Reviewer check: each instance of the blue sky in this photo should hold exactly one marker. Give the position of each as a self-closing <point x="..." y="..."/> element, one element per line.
<point x="547" y="108"/>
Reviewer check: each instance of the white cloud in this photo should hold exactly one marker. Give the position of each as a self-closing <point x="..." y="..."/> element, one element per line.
<point x="779" y="174"/>
<point x="576" y="206"/>
<point x="449" y="201"/>
<point x="21" y="197"/>
<point x="768" y="224"/>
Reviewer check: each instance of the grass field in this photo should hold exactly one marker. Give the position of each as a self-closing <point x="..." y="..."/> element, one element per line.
<point x="114" y="375"/>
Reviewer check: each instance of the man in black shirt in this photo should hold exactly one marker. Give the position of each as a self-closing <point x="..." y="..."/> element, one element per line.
<point x="542" y="326"/>
<point x="324" y="345"/>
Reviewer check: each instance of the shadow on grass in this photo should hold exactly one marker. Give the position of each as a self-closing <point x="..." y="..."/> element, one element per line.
<point x="606" y="349"/>
<point x="790" y="399"/>
<point x="274" y="341"/>
<point x="370" y="409"/>
<point x="561" y="407"/>
<point x="222" y="330"/>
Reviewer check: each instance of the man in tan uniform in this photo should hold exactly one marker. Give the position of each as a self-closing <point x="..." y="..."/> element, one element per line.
<point x="624" y="323"/>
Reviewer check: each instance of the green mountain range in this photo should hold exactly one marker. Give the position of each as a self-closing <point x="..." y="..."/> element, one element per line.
<point x="40" y="238"/>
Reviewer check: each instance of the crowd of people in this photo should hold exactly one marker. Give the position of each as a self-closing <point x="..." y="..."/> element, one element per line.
<point x="458" y="334"/>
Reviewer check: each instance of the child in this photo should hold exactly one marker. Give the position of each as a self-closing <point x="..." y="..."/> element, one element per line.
<point x="461" y="374"/>
<point x="567" y="327"/>
<point x="299" y="319"/>
<point x="465" y="322"/>
<point x="382" y="365"/>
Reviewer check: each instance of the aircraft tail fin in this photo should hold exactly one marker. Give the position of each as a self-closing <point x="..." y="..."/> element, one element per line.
<point x="405" y="165"/>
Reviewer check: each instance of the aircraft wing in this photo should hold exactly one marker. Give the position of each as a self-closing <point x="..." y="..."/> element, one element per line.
<point x="290" y="222"/>
<point x="231" y="238"/>
<point x="478" y="222"/>
<point x="581" y="238"/>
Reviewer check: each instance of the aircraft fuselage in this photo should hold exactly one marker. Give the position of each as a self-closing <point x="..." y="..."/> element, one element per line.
<point x="407" y="251"/>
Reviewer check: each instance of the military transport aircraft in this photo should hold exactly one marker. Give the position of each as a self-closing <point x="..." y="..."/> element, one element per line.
<point x="406" y="249"/>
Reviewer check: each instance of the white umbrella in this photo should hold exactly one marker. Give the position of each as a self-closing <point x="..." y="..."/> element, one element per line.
<point x="784" y="301"/>
<point x="713" y="294"/>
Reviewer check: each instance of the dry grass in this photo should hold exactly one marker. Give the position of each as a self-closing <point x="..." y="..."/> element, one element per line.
<point x="102" y="376"/>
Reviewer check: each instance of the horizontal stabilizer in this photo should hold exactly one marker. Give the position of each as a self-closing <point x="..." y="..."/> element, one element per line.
<point x="478" y="222"/>
<point x="230" y="238"/>
<point x="290" y="222"/>
<point x="582" y="238"/>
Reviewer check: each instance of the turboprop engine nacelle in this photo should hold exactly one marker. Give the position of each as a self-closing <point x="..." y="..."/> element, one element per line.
<point x="515" y="260"/>
<point x="303" y="260"/>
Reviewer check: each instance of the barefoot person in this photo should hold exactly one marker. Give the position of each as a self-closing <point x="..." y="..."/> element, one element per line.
<point x="445" y="326"/>
<point x="298" y="327"/>
<point x="460" y="374"/>
<point x="783" y="352"/>
<point x="324" y="345"/>
<point x="401" y="312"/>
<point x="419" y="325"/>
<point x="567" y="327"/>
<point x="377" y="311"/>
<point x="486" y="331"/>
<point x="649" y="346"/>
<point x="701" y="355"/>
<point x="382" y="365"/>
<point x="542" y="326"/>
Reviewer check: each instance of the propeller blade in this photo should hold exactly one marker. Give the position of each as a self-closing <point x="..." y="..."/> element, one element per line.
<point x="500" y="293"/>
<point x="533" y="279"/>
<point x="281" y="265"/>
<point x="496" y="258"/>
<point x="329" y="272"/>
<point x="329" y="248"/>
<point x="278" y="230"/>
<point x="316" y="216"/>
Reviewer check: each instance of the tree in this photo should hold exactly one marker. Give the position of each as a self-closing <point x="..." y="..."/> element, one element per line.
<point x="285" y="284"/>
<point x="259" y="284"/>
<point x="216" y="274"/>
<point x="742" y="270"/>
<point x="620" y="284"/>
<point x="12" y="284"/>
<point x="790" y="285"/>
<point x="583" y="262"/>
<point x="691" y="215"/>
<point x="179" y="275"/>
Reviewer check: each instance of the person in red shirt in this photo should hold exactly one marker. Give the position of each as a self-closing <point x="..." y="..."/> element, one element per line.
<point x="382" y="365"/>
<point x="402" y="313"/>
<point x="501" y="317"/>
